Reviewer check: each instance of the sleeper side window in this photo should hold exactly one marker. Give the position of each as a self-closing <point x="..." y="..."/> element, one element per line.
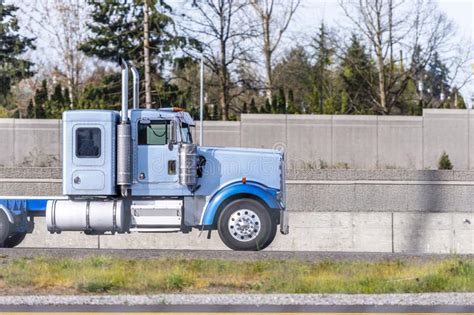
<point x="88" y="142"/>
<point x="154" y="133"/>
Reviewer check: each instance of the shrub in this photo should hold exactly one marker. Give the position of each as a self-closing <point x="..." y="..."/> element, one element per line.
<point x="444" y="162"/>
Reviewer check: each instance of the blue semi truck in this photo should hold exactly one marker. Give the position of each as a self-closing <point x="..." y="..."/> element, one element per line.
<point x="138" y="170"/>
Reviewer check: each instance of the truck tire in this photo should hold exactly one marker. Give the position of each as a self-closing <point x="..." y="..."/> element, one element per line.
<point x="4" y="228"/>
<point x="14" y="240"/>
<point x="246" y="225"/>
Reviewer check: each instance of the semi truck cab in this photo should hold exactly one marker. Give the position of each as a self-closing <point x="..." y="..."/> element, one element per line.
<point x="138" y="170"/>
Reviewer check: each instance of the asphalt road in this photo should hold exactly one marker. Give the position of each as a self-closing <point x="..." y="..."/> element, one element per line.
<point x="6" y="253"/>
<point x="244" y="309"/>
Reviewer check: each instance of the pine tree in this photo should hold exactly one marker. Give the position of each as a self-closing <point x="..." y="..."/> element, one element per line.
<point x="295" y="72"/>
<point x="67" y="97"/>
<point x="292" y="108"/>
<point x="244" y="108"/>
<point x="356" y="72"/>
<point x="438" y="79"/>
<point x="344" y="102"/>
<point x="205" y="114"/>
<point x="30" y="110"/>
<point x="41" y="97"/>
<point x="13" y="67"/>
<point x="323" y="54"/>
<point x="253" y="108"/>
<point x="281" y="102"/>
<point x="267" y="108"/>
<point x="117" y="31"/>
<point x="55" y="106"/>
<point x="329" y="106"/>
<point x="215" y="112"/>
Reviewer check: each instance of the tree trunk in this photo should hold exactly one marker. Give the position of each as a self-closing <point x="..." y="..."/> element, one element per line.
<point x="224" y="99"/>
<point x="146" y="52"/>
<point x="381" y="77"/>
<point x="267" y="52"/>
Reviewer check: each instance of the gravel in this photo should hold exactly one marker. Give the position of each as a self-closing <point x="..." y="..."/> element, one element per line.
<point x="424" y="299"/>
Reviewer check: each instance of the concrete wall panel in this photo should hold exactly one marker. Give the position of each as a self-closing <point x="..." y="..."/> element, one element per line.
<point x="400" y="142"/>
<point x="446" y="130"/>
<point x="372" y="232"/>
<point x="354" y="141"/>
<point x="423" y="233"/>
<point x="37" y="142"/>
<point x="263" y="131"/>
<point x="7" y="142"/>
<point x="309" y="141"/>
<point x="219" y="133"/>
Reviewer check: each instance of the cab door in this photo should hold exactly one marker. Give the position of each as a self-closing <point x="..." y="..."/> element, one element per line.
<point x="157" y="157"/>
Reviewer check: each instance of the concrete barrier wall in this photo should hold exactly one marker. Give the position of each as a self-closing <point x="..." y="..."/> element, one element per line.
<point x="330" y="210"/>
<point x="310" y="141"/>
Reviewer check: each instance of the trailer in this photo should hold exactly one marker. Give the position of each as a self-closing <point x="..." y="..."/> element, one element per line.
<point x="138" y="170"/>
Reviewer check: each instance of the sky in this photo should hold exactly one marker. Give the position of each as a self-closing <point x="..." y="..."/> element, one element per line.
<point x="312" y="12"/>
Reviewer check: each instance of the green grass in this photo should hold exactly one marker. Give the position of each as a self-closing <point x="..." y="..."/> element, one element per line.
<point x="97" y="275"/>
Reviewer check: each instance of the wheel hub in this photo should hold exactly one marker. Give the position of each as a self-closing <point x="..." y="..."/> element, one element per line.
<point x="244" y="225"/>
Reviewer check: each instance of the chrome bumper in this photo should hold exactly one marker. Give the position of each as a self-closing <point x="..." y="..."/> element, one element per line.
<point x="284" y="222"/>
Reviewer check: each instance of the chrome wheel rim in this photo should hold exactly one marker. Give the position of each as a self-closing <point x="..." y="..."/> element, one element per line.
<point x="244" y="225"/>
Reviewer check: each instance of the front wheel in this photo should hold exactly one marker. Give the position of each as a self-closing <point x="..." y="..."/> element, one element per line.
<point x="245" y="224"/>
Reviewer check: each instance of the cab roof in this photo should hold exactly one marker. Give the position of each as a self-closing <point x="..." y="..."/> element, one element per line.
<point x="165" y="113"/>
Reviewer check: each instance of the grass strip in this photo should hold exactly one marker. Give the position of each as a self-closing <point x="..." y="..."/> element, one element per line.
<point x="112" y="275"/>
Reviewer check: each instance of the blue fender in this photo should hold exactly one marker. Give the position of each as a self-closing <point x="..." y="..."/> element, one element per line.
<point x="267" y="195"/>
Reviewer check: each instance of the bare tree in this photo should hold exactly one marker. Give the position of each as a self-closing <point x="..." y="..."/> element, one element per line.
<point x="390" y="26"/>
<point x="274" y="17"/>
<point x="146" y="53"/>
<point x="220" y="29"/>
<point x="63" y="23"/>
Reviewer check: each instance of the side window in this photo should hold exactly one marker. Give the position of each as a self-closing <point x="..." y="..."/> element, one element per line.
<point x="154" y="133"/>
<point x="88" y="142"/>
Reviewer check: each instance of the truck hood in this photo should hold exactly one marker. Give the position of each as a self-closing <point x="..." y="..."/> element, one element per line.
<point x="228" y="165"/>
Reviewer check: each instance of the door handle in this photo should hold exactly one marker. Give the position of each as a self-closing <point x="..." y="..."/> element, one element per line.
<point x="172" y="167"/>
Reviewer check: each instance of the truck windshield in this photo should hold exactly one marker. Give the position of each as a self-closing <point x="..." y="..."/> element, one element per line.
<point x="186" y="136"/>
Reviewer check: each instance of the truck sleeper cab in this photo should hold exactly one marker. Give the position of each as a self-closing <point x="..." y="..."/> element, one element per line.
<point x="138" y="171"/>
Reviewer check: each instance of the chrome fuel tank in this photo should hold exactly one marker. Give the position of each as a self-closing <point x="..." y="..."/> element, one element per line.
<point x="87" y="215"/>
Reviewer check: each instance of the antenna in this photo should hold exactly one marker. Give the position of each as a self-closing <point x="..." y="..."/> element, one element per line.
<point x="201" y="101"/>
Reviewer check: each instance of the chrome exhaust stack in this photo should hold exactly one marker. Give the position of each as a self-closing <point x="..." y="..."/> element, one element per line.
<point x="124" y="139"/>
<point x="136" y="86"/>
<point x="124" y="114"/>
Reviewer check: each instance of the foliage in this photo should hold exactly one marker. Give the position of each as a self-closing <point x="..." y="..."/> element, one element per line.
<point x="357" y="74"/>
<point x="322" y="82"/>
<point x="13" y="66"/>
<point x="116" y="30"/>
<point x="4" y="112"/>
<point x="104" y="274"/>
<point x="294" y="72"/>
<point x="326" y="75"/>
<point x="444" y="162"/>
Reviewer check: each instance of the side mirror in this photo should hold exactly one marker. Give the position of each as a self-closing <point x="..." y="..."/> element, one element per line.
<point x="173" y="134"/>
